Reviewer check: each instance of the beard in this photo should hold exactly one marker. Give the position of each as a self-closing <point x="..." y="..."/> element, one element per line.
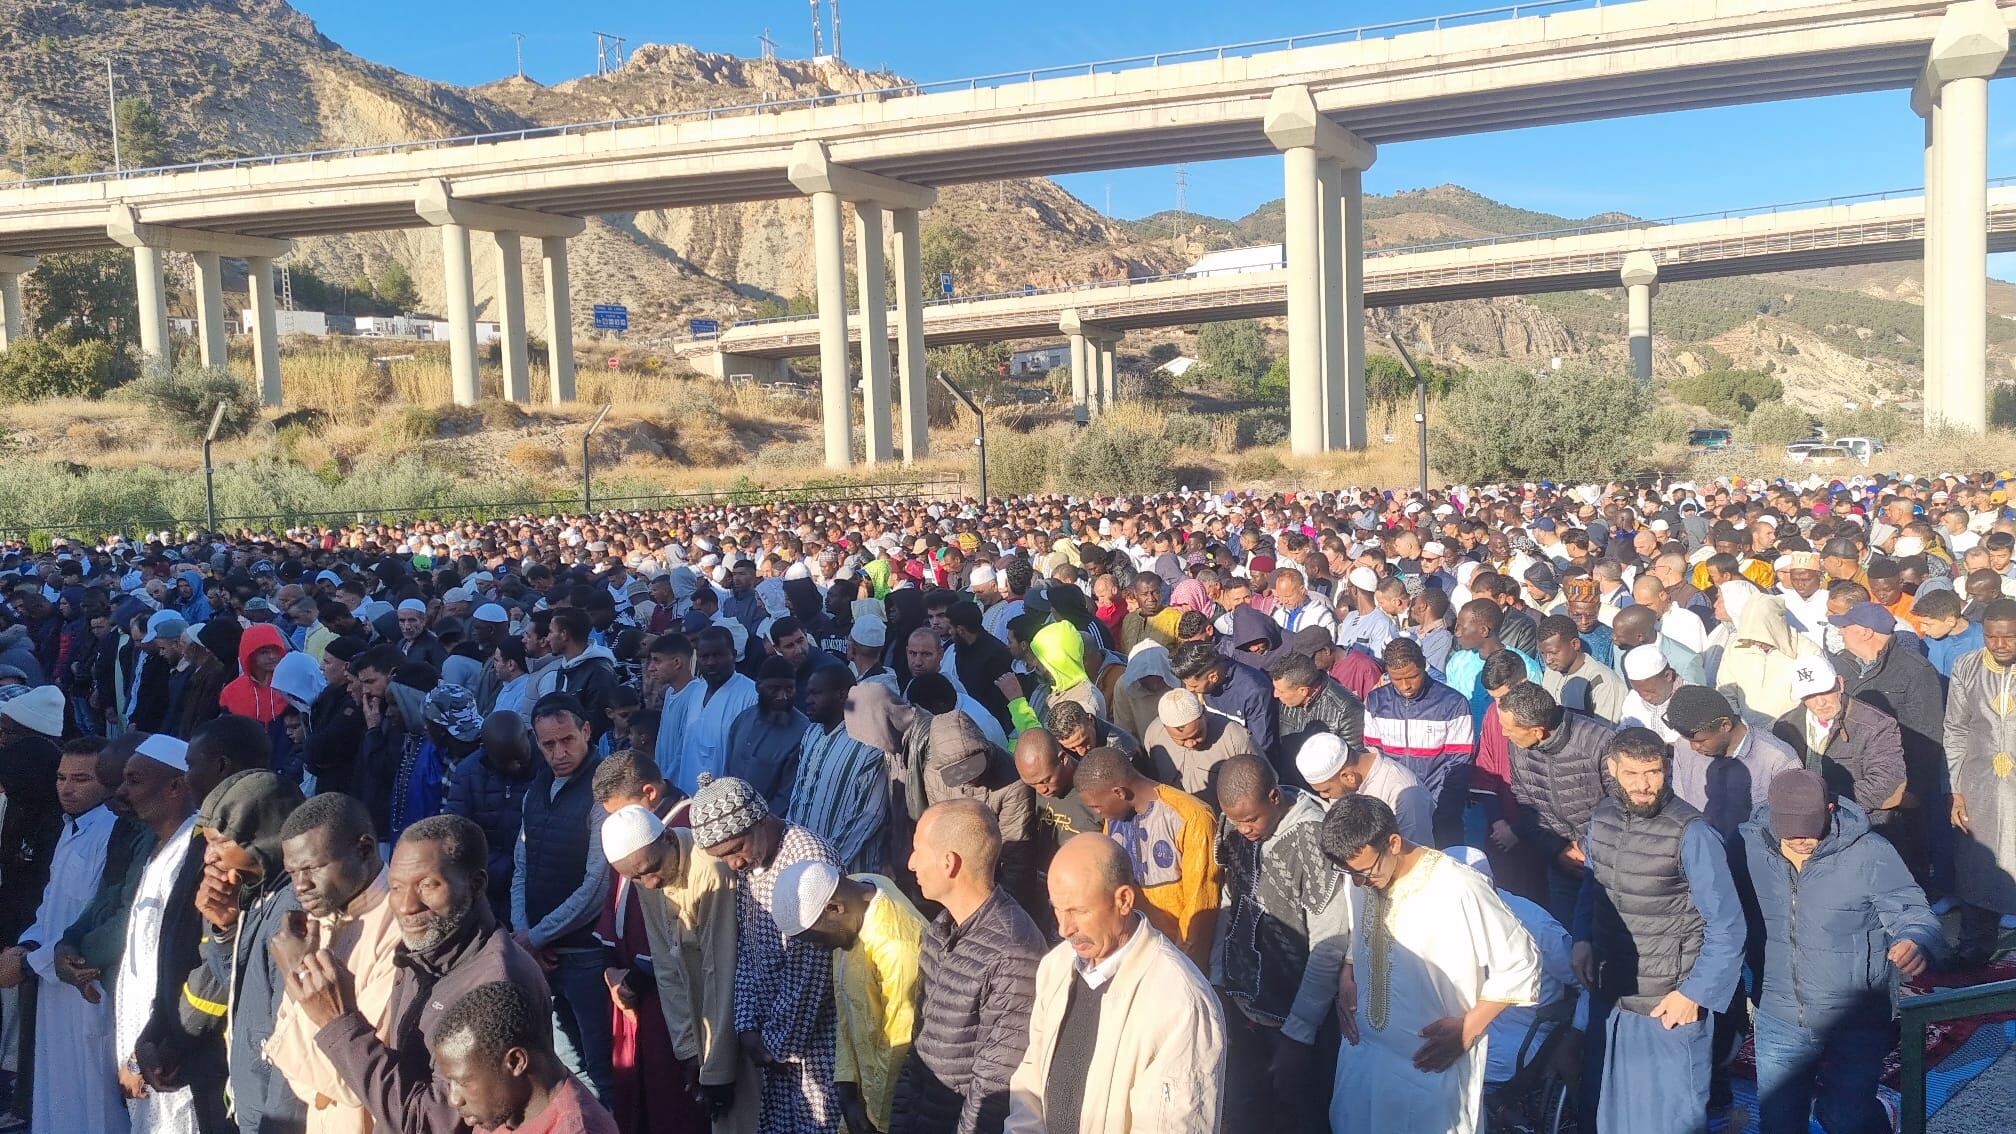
<point x="440" y="927"/>
<point x="1647" y="810"/>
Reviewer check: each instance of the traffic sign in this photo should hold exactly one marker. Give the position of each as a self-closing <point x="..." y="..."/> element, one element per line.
<point x="704" y="328"/>
<point x="612" y="317"/>
<point x="1028" y="289"/>
<point x="615" y="363"/>
<point x="945" y="283"/>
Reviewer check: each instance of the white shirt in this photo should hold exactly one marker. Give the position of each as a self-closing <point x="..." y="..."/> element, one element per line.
<point x="1105" y="970"/>
<point x="157" y="1112"/>
<point x="708" y="715"/>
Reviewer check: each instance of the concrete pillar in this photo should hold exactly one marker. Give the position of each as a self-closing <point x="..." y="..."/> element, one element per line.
<point x="829" y="248"/>
<point x="1934" y="395"/>
<point x="1350" y="432"/>
<point x="153" y="295"/>
<point x="265" y="329"/>
<point x="511" y="318"/>
<point x="870" y="276"/>
<point x="1081" y="379"/>
<point x="210" y="309"/>
<point x="13" y="320"/>
<point x="913" y="379"/>
<point x="1109" y="375"/>
<point x="1641" y="283"/>
<point x="559" y="318"/>
<point x="1330" y="246"/>
<point x="1304" y="254"/>
<point x="1966" y="51"/>
<point x="459" y="279"/>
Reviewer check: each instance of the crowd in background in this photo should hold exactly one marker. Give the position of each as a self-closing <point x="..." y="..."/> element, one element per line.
<point x="1356" y="810"/>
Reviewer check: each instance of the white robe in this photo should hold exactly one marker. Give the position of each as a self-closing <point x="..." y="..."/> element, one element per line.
<point x="705" y="737"/>
<point x="156" y="1112"/>
<point x="1450" y="942"/>
<point x="71" y="1032"/>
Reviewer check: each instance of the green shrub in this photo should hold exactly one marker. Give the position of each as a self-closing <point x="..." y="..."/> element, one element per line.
<point x="186" y="395"/>
<point x="1116" y="458"/>
<point x="1728" y="394"/>
<point x="1019" y="464"/>
<point x="1257" y="467"/>
<point x="1885" y="423"/>
<point x="1234" y="353"/>
<point x="1777" y="423"/>
<point x="1669" y="426"/>
<point x="56" y="365"/>
<point x="417" y="423"/>
<point x="1189" y="430"/>
<point x="1509" y="423"/>
<point x="1273" y="385"/>
<point x="1258" y="429"/>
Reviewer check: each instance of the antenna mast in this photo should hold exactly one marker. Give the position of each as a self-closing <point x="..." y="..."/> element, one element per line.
<point x="768" y="45"/>
<point x="1182" y="203"/>
<point x="818" y="32"/>
<point x="520" y="38"/>
<point x="836" y="31"/>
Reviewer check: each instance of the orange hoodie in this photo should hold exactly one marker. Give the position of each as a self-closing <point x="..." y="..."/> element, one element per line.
<point x="248" y="698"/>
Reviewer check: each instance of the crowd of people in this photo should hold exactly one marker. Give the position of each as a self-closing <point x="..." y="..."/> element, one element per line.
<point x="1357" y="811"/>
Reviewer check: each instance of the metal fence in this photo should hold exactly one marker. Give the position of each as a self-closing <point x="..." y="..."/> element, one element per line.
<point x="1932" y="1008"/>
<point x="882" y="94"/>
<point x="739" y="495"/>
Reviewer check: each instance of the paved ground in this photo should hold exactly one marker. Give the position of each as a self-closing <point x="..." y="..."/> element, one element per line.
<point x="1985" y="1105"/>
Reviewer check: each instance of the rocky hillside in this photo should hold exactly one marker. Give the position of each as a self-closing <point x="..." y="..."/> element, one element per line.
<point x="230" y="77"/>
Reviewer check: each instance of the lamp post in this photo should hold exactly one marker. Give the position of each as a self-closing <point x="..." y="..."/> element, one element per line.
<point x="587" y="477"/>
<point x="209" y="470"/>
<point x="1421" y="409"/>
<point x="981" y="440"/>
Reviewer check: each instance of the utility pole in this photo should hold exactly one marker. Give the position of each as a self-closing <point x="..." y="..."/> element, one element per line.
<point x="608" y="47"/>
<point x="1182" y="204"/>
<point x="520" y="37"/>
<point x="768" y="45"/>
<point x="112" y="108"/>
<point x="818" y="32"/>
<point x="836" y="31"/>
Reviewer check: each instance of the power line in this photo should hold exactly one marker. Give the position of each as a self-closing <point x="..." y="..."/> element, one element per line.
<point x="608" y="53"/>
<point x="768" y="45"/>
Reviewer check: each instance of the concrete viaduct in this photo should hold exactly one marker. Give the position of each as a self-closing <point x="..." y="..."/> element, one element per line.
<point x="1096" y="314"/>
<point x="1323" y="102"/>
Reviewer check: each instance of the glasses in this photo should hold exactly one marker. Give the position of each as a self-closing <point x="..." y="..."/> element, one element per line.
<point x="1356" y="875"/>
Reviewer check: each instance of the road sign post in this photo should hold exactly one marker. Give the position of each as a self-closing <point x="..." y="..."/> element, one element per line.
<point x="612" y="317"/>
<point x="704" y="328"/>
<point x="945" y="284"/>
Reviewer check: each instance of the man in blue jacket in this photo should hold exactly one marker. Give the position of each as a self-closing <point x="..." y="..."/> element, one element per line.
<point x="1840" y="912"/>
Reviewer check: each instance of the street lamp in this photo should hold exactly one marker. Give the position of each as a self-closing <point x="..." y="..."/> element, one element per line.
<point x="1421" y="410"/>
<point x="209" y="470"/>
<point x="981" y="441"/>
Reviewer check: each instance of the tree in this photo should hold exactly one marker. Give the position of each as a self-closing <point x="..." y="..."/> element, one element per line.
<point x="143" y="139"/>
<point x="59" y="364"/>
<point x="1388" y="386"/>
<point x="92" y="293"/>
<point x="395" y="286"/>
<point x="945" y="247"/>
<point x="1728" y="394"/>
<point x="1510" y="423"/>
<point x="1234" y="353"/>
<point x="1777" y="423"/>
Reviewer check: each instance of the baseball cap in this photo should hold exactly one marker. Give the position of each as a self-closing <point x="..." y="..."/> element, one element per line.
<point x="1813" y="675"/>
<point x="1868" y="616"/>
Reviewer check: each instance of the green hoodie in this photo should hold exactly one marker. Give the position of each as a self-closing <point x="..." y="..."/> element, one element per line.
<point x="1060" y="650"/>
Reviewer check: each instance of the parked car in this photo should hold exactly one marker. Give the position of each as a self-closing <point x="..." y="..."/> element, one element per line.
<point x="1862" y="448"/>
<point x="1709" y="438"/>
<point x="1818" y="454"/>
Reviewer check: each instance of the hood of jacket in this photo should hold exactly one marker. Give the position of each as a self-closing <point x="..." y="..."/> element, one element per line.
<point x="256" y="637"/>
<point x="1060" y="650"/>
<point x="588" y="655"/>
<point x="1763" y="620"/>
<point x="299" y="679"/>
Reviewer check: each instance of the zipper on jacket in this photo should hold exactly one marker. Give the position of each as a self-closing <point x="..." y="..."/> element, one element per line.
<point x="1792" y="934"/>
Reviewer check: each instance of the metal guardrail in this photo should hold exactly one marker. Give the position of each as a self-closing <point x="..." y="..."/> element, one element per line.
<point x="901" y="90"/>
<point x="741" y="495"/>
<point x="1932" y="1008"/>
<point x="1402" y="250"/>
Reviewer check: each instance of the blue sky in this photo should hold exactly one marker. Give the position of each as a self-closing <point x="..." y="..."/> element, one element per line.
<point x="1658" y="165"/>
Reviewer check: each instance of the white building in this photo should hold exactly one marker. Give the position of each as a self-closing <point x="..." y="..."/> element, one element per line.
<point x="1235" y="261"/>
<point x="1040" y="360"/>
<point x="294" y="322"/>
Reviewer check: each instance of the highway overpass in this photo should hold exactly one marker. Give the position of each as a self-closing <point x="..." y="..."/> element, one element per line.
<point x="1325" y="102"/>
<point x="1876" y="229"/>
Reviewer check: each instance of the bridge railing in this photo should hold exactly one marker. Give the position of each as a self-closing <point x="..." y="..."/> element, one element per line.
<point x="1362" y="32"/>
<point x="1624" y="225"/>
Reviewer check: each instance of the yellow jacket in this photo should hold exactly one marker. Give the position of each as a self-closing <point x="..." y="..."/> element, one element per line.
<point x="875" y="991"/>
<point x="1180" y="897"/>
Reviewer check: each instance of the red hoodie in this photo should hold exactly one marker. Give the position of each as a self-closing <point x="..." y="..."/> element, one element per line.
<point x="248" y="698"/>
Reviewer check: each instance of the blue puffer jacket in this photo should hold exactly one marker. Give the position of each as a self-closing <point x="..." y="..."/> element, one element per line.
<point x="496" y="803"/>
<point x="1829" y="928"/>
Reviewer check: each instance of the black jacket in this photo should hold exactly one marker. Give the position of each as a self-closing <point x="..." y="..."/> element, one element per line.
<point x="235" y="995"/>
<point x="1559" y="783"/>
<point x="198" y="1058"/>
<point x="1903" y="684"/>
<point x="335" y="739"/>
<point x="28" y="837"/>
<point x="978" y="985"/>
<point x="980" y="664"/>
<point x="482" y="794"/>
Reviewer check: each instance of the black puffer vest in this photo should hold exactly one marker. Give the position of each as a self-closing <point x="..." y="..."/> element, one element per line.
<point x="556" y="848"/>
<point x="1647" y="932"/>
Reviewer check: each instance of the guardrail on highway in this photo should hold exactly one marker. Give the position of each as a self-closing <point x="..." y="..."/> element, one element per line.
<point x="900" y="90"/>
<point x="744" y="495"/>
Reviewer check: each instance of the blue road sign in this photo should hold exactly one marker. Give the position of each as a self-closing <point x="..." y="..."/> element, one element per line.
<point x="945" y="282"/>
<point x="1028" y="289"/>
<point x="704" y="328"/>
<point x="612" y="317"/>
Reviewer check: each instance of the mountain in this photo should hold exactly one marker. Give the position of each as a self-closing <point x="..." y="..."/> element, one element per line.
<point x="236" y="77"/>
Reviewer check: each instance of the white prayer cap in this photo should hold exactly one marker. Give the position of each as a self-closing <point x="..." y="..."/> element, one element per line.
<point x="870" y="631"/>
<point x="165" y="749"/>
<point x="803" y="890"/>
<point x="1908" y="545"/>
<point x="1433" y="548"/>
<point x="1466" y="569"/>
<point x="982" y="576"/>
<point x="1641" y="662"/>
<point x="1364" y="579"/>
<point x="455" y="594"/>
<point x="1321" y="757"/>
<point x="797" y="570"/>
<point x="491" y="612"/>
<point x="629" y="831"/>
<point x="414" y="605"/>
<point x="1178" y="707"/>
<point x="1813" y="675"/>
<point x="1474" y="859"/>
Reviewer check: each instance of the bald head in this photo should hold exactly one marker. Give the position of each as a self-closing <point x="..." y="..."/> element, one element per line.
<point x="1633" y="626"/>
<point x="1093" y="865"/>
<point x="965" y="828"/>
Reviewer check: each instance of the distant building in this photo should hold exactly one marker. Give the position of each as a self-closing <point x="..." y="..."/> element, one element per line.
<point x="1040" y="360"/>
<point x="1177" y="367"/>
<point x="1235" y="261"/>
<point x="295" y="322"/>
